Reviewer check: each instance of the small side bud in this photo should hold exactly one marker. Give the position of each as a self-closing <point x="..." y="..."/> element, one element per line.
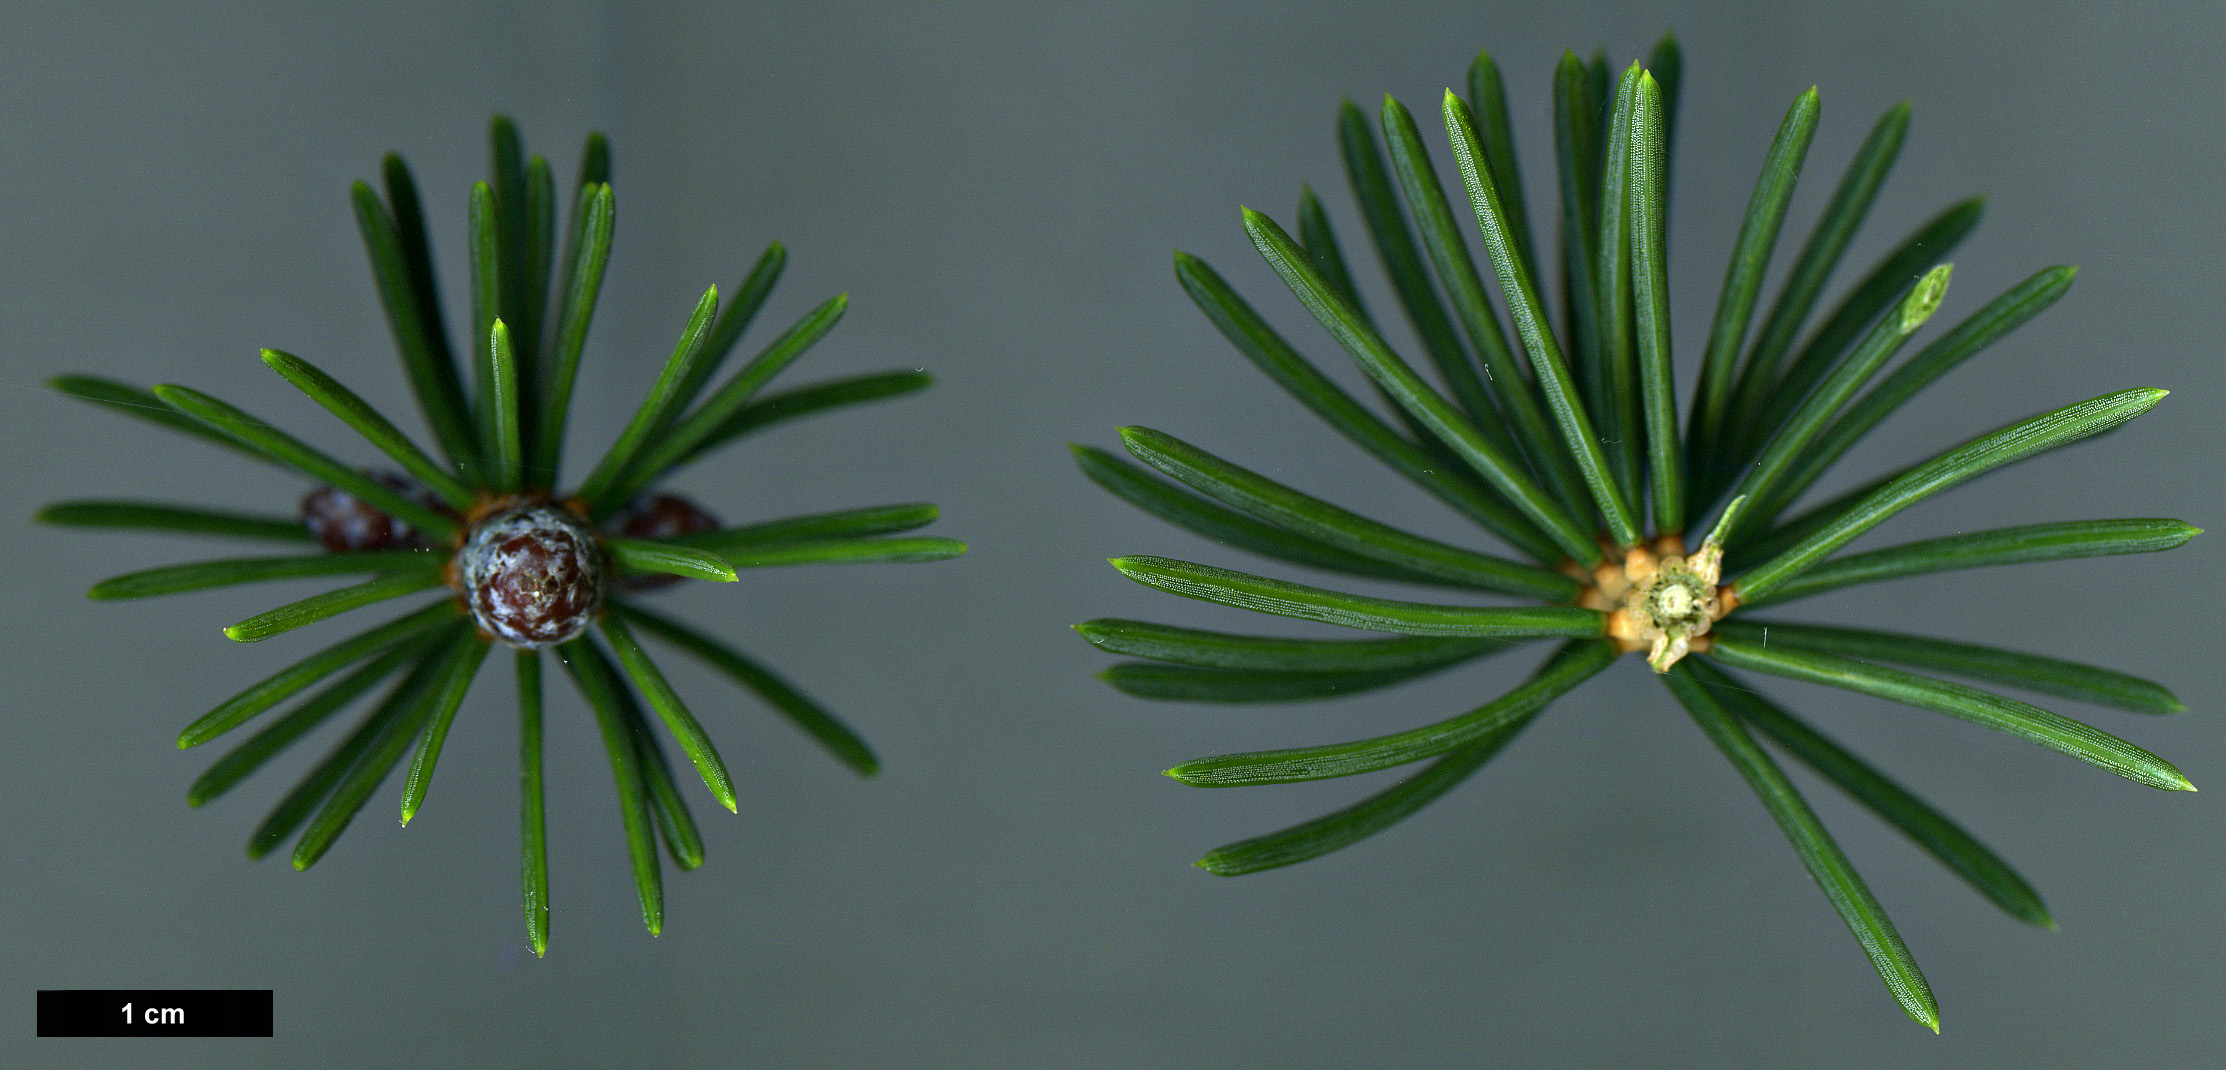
<point x="341" y="522"/>
<point x="661" y="516"/>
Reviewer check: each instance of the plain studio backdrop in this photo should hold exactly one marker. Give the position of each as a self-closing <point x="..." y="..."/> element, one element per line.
<point x="998" y="187"/>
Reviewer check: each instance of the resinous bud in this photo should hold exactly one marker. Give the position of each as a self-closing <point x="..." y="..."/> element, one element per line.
<point x="532" y="575"/>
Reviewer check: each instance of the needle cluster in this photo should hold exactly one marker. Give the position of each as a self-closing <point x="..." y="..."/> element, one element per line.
<point x="521" y="558"/>
<point x="1567" y="444"/>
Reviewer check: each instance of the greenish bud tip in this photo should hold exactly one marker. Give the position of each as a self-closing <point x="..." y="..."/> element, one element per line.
<point x="1924" y="298"/>
<point x="1722" y="530"/>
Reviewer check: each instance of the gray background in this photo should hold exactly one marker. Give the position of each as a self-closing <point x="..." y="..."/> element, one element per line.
<point x="997" y="185"/>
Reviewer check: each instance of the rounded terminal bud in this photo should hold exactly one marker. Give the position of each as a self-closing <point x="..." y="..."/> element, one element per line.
<point x="341" y="521"/>
<point x="532" y="575"/>
<point x="661" y="516"/>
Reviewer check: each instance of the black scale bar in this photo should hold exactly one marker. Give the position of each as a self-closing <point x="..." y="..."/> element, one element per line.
<point x="155" y="1012"/>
